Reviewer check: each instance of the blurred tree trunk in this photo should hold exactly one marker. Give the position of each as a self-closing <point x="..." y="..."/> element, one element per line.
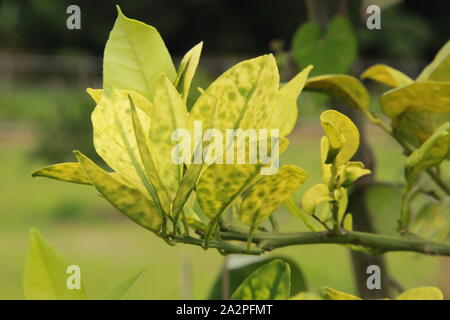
<point x="321" y="11"/>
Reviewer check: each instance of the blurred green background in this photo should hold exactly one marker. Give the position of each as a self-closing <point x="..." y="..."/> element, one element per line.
<point x="45" y="114"/>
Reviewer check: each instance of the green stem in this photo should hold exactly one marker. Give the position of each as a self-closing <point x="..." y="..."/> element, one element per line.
<point x="377" y="243"/>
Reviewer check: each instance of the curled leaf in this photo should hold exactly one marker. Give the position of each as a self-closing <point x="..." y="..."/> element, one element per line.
<point x="187" y="69"/>
<point x="386" y="75"/>
<point x="314" y="196"/>
<point x="439" y="68"/>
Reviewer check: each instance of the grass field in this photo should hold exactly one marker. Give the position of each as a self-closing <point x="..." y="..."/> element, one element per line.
<point x="109" y="248"/>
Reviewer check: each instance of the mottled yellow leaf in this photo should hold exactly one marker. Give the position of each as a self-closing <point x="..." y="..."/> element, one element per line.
<point x="139" y="100"/>
<point x="428" y="96"/>
<point x="338" y="295"/>
<point x="135" y="56"/>
<point x="132" y="203"/>
<point x="421" y="293"/>
<point x="284" y="115"/>
<point x="161" y="195"/>
<point x="268" y="194"/>
<point x="115" y="140"/>
<point x="168" y="115"/>
<point x="386" y="75"/>
<point x="347" y="132"/>
<point x="69" y="172"/>
<point x="439" y="68"/>
<point x="187" y="69"/>
<point x="242" y="94"/>
<point x="271" y="281"/>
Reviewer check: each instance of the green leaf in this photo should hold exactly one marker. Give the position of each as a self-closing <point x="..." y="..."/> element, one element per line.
<point x="268" y="194"/>
<point x="421" y="293"/>
<point x="241" y="267"/>
<point x="122" y="289"/>
<point x="338" y="295"/>
<point x="427" y="96"/>
<point x="115" y="139"/>
<point x="347" y="132"/>
<point x="439" y="68"/>
<point x="132" y="203"/>
<point x="187" y="69"/>
<point x="431" y="153"/>
<point x="243" y="95"/>
<point x="433" y="221"/>
<point x="139" y="100"/>
<point x="285" y="115"/>
<point x="168" y="115"/>
<point x="386" y="75"/>
<point x="344" y="87"/>
<point x="135" y="56"/>
<point x="310" y="48"/>
<point x="45" y="276"/>
<point x="269" y="282"/>
<point x="314" y="196"/>
<point x="69" y="172"/>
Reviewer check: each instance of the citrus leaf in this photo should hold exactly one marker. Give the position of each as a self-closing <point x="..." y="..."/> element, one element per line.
<point x="242" y="94"/>
<point x="431" y="153"/>
<point x="69" y="172"/>
<point x="45" y="275"/>
<point x="272" y="281"/>
<point x="428" y="96"/>
<point x="350" y="172"/>
<point x="314" y="196"/>
<point x="187" y="69"/>
<point x="132" y="203"/>
<point x="135" y="55"/>
<point x="284" y="116"/>
<point x="161" y="195"/>
<point x="433" y="221"/>
<point x="346" y="129"/>
<point x="338" y="295"/>
<point x="115" y="140"/>
<point x="386" y="75"/>
<point x="122" y="289"/>
<point x="139" y="100"/>
<point x="169" y="114"/>
<point x="439" y="68"/>
<point x="344" y="87"/>
<point x="421" y="293"/>
<point x="268" y="193"/>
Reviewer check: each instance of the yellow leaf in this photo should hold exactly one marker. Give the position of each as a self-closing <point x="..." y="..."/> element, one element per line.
<point x="347" y="132"/>
<point x="132" y="203"/>
<point x="428" y="96"/>
<point x="139" y="100"/>
<point x="285" y="111"/>
<point x="421" y="293"/>
<point x="242" y="95"/>
<point x="268" y="193"/>
<point x="386" y="75"/>
<point x="135" y="56"/>
<point x="439" y="68"/>
<point x="115" y="140"/>
<point x="169" y="114"/>
<point x="431" y="153"/>
<point x="187" y="69"/>
<point x="344" y="87"/>
<point x="338" y="295"/>
<point x="69" y="172"/>
<point x="314" y="196"/>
